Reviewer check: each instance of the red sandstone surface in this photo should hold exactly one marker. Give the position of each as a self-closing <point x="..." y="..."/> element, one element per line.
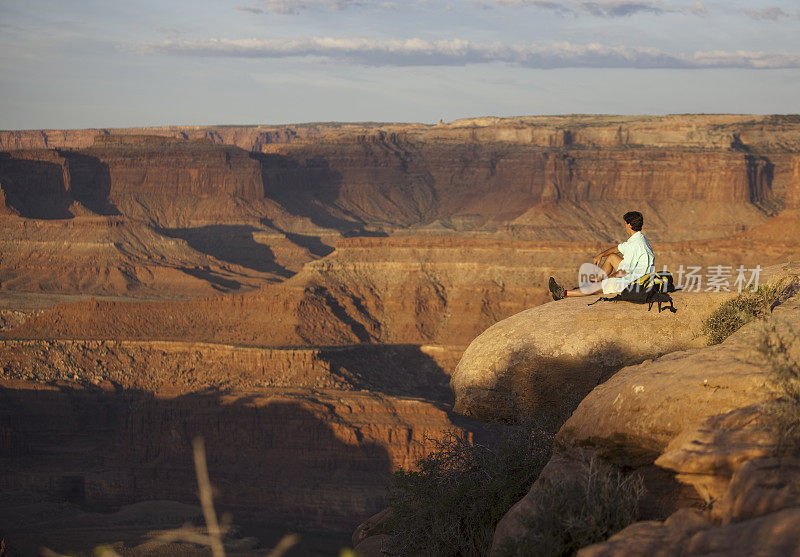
<point x="298" y="295"/>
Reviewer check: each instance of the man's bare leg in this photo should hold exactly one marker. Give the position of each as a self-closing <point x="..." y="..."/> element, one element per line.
<point x="611" y="264"/>
<point x="586" y="290"/>
<point x="610" y="268"/>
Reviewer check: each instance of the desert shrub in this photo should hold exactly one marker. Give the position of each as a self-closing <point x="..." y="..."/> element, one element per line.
<point x="736" y="312"/>
<point x="782" y="414"/>
<point x="452" y="502"/>
<point x="574" y="512"/>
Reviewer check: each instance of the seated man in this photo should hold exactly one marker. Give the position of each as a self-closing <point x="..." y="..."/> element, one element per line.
<point x="624" y="264"/>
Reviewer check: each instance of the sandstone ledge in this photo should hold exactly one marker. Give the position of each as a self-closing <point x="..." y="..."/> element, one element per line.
<point x="688" y="420"/>
<point x="552" y="355"/>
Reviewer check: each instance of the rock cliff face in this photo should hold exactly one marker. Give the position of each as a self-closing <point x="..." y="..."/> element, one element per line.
<point x="162" y="181"/>
<point x="715" y="131"/>
<point x="534" y="359"/>
<point x="496" y="185"/>
<point x="178" y="368"/>
<point x="468" y="175"/>
<point x="311" y="460"/>
<point x="180" y="183"/>
<point x="34" y="184"/>
<point x="688" y="422"/>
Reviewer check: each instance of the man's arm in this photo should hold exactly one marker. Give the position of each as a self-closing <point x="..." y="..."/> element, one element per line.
<point x="599" y="258"/>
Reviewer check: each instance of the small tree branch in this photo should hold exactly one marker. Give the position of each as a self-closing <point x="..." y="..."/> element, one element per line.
<point x="207" y="498"/>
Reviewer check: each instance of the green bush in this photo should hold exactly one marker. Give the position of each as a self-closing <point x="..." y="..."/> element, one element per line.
<point x="782" y="414"/>
<point x="734" y="313"/>
<point x="575" y="512"/>
<point x="451" y="504"/>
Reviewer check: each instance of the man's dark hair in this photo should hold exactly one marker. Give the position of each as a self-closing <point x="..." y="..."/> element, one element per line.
<point x="635" y="219"/>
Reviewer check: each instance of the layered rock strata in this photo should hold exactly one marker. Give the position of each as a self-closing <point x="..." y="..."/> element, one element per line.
<point x="466" y="176"/>
<point x="310" y="459"/>
<point x="538" y="357"/>
<point x="688" y="422"/>
<point x="457" y="227"/>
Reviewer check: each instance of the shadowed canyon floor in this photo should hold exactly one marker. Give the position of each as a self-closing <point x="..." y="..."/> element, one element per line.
<point x="300" y="296"/>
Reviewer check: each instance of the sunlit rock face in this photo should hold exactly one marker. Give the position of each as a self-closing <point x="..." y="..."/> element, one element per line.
<point x="553" y="355"/>
<point x="692" y="424"/>
<point x="329" y="277"/>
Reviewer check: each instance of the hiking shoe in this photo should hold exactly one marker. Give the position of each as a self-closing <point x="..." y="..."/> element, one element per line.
<point x="557" y="290"/>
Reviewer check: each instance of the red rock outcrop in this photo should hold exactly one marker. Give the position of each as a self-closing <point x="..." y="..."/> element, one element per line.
<point x="551" y="356"/>
<point x="178" y="368"/>
<point x="467" y="175"/>
<point x="716" y="131"/>
<point x="315" y="460"/>
<point x="687" y="422"/>
<point x="457" y="226"/>
<point x="111" y="256"/>
<point x="529" y="191"/>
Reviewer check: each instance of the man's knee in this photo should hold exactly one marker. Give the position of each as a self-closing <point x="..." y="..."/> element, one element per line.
<point x="614" y="261"/>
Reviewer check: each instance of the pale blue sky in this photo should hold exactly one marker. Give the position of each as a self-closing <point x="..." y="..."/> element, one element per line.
<point x="75" y="64"/>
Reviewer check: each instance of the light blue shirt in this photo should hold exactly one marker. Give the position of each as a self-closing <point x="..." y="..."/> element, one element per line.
<point x="637" y="258"/>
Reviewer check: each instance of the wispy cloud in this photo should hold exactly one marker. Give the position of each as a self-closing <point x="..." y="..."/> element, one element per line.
<point x="457" y="52"/>
<point x="251" y="9"/>
<point x="619" y="9"/>
<point x="771" y="13"/>
<point x="294" y="7"/>
<point x="171" y="32"/>
<point x="601" y="8"/>
<point x="561" y="7"/>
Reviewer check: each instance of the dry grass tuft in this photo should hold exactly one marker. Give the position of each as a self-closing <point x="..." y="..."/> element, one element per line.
<point x="781" y="351"/>
<point x="452" y="503"/>
<point x="215" y="529"/>
<point x="747" y="306"/>
<point x="578" y="511"/>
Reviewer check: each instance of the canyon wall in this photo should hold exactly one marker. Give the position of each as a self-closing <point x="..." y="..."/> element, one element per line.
<point x="692" y="130"/>
<point x="464" y="176"/>
<point x="299" y="295"/>
<point x="150" y="179"/>
<point x="175" y="183"/>
<point x="177" y="368"/>
<point x="308" y="460"/>
<point x="34" y="184"/>
<point x="397" y="290"/>
<point x="391" y="183"/>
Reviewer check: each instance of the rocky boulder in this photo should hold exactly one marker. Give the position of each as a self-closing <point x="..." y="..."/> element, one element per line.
<point x="691" y="423"/>
<point x="551" y="356"/>
<point x="644" y="407"/>
<point x="757" y="516"/>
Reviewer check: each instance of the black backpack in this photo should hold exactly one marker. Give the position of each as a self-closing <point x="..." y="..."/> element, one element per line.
<point x="652" y="288"/>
